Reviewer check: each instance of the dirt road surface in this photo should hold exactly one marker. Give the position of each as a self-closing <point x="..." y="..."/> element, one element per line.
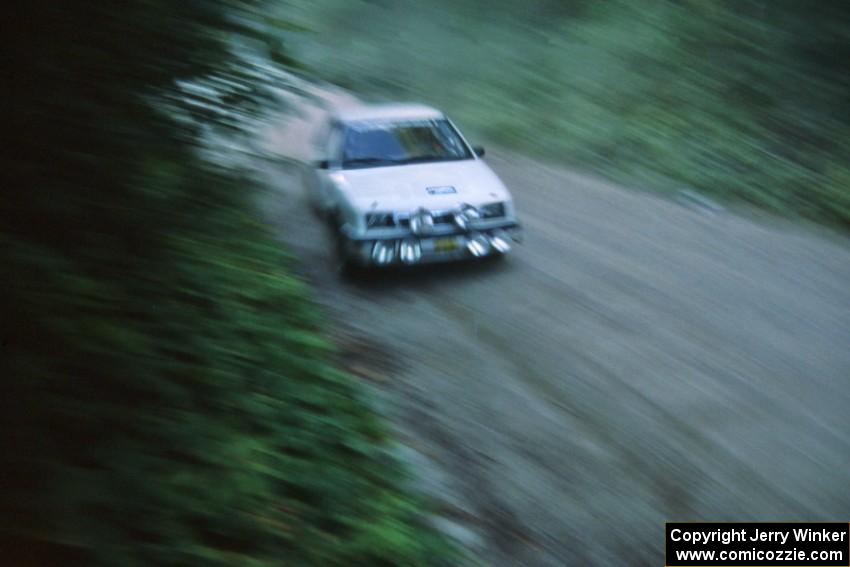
<point x="635" y="361"/>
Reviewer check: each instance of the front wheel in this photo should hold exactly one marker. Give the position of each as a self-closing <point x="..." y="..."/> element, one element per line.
<point x="347" y="267"/>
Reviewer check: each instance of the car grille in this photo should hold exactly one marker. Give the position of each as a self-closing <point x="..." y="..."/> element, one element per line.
<point x="440" y="218"/>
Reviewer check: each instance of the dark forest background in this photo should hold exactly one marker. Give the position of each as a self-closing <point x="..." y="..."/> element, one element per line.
<point x="168" y="390"/>
<point x="747" y="101"/>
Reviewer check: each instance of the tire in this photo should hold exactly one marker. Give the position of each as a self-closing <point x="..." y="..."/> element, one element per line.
<point x="320" y="213"/>
<point x="346" y="266"/>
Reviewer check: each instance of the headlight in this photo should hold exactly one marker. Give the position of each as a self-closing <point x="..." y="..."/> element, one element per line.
<point x="380" y="220"/>
<point x="492" y="210"/>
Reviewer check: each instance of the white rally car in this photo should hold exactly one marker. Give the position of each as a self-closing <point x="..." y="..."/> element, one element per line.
<point x="402" y="186"/>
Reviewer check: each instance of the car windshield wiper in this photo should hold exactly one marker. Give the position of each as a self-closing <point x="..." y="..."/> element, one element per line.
<point x="426" y="158"/>
<point x="371" y="161"/>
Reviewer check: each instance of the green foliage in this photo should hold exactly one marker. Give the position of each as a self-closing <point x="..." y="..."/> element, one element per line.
<point x="200" y="420"/>
<point x="745" y="100"/>
<point x="167" y="392"/>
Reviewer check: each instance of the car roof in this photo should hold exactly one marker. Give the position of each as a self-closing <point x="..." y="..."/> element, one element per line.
<point x="387" y="111"/>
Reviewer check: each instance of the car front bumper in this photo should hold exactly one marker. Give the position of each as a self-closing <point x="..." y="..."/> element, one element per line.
<point x="389" y="250"/>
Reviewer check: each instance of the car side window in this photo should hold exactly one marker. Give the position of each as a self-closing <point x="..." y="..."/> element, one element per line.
<point x="334" y="145"/>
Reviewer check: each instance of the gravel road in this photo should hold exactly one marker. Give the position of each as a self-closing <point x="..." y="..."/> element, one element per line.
<point x="635" y="361"/>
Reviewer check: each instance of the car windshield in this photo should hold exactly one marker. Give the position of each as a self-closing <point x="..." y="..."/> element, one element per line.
<point x="376" y="144"/>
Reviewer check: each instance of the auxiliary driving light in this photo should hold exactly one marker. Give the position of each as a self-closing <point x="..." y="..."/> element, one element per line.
<point x="410" y="251"/>
<point x="421" y="222"/>
<point x="383" y="252"/>
<point x="478" y="245"/>
<point x="499" y="242"/>
<point x="465" y="216"/>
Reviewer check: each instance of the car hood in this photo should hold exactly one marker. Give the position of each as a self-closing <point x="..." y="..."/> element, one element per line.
<point x="428" y="185"/>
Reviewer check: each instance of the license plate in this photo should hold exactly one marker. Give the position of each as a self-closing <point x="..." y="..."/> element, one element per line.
<point x="445" y="244"/>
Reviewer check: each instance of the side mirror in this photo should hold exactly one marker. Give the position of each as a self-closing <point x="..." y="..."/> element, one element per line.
<point x="479" y="150"/>
<point x="321" y="164"/>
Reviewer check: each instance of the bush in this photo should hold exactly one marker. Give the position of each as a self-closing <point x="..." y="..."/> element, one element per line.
<point x="167" y="392"/>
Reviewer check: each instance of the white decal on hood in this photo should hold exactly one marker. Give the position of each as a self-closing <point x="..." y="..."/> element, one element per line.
<point x="444" y="190"/>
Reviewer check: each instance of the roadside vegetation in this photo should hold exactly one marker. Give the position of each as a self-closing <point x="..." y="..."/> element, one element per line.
<point x="168" y="396"/>
<point x="742" y="100"/>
